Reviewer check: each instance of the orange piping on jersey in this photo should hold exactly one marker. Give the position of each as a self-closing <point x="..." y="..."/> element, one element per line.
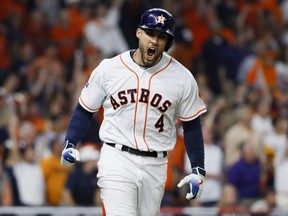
<point x="146" y="113"/>
<point x="136" y="102"/>
<point x="191" y="117"/>
<point x="103" y="210"/>
<point x="91" y="110"/>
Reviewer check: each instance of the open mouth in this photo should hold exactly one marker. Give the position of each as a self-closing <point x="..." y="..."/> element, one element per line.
<point x="151" y="51"/>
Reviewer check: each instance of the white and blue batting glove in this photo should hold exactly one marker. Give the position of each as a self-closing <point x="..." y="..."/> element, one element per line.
<point x="195" y="181"/>
<point x="69" y="154"/>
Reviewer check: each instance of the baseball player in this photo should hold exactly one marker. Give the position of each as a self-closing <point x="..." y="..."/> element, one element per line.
<point x="143" y="92"/>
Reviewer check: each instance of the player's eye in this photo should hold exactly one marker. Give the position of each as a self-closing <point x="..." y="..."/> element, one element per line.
<point x="150" y="33"/>
<point x="162" y="36"/>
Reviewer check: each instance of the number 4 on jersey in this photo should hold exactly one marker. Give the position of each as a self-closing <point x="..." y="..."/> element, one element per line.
<point x="160" y="123"/>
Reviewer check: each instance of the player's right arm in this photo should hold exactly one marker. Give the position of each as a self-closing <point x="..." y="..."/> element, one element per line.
<point x="77" y="127"/>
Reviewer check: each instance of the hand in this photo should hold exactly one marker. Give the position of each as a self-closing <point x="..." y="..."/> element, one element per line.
<point x="195" y="181"/>
<point x="69" y="155"/>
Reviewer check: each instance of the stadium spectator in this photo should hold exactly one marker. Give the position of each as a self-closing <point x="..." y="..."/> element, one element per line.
<point x="257" y="49"/>
<point x="183" y="35"/>
<point x="55" y="174"/>
<point x="6" y="194"/>
<point x="282" y="68"/>
<point x="262" y="116"/>
<point x="4" y="58"/>
<point x="281" y="177"/>
<point x="229" y="201"/>
<point x="10" y="8"/>
<point x="197" y="16"/>
<point x="265" y="205"/>
<point x="81" y="186"/>
<point x="85" y="59"/>
<point x="238" y="133"/>
<point x="274" y="145"/>
<point x="260" y="15"/>
<point x="214" y="171"/>
<point x="37" y="31"/>
<point x="50" y="8"/>
<point x="228" y="13"/>
<point x="220" y="118"/>
<point x="102" y="29"/>
<point x="214" y="70"/>
<point x="21" y="63"/>
<point x="25" y="174"/>
<point x="65" y="36"/>
<point x="284" y="8"/>
<point x="245" y="174"/>
<point x="262" y="74"/>
<point x="5" y="115"/>
<point x="46" y="78"/>
<point x="78" y="14"/>
<point x="237" y="49"/>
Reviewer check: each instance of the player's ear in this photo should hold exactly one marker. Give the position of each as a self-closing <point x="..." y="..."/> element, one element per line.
<point x="138" y="32"/>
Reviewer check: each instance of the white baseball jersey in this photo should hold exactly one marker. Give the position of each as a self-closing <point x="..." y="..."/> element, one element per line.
<point x="142" y="106"/>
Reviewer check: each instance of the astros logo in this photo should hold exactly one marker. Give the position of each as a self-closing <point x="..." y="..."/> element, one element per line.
<point x="160" y="19"/>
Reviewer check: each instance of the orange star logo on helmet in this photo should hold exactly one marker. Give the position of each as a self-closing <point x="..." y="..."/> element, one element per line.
<point x="161" y="19"/>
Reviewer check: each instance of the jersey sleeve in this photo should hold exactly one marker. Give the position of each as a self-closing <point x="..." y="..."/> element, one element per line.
<point x="93" y="93"/>
<point x="191" y="105"/>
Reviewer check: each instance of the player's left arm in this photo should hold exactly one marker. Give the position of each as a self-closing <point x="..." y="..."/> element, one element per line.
<point x="194" y="143"/>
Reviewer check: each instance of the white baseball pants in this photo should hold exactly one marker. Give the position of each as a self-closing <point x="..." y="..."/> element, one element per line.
<point x="131" y="185"/>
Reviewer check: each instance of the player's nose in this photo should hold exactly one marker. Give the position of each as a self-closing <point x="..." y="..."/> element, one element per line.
<point x="154" y="39"/>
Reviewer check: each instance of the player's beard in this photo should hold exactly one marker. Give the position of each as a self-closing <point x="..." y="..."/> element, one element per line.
<point x="148" y="61"/>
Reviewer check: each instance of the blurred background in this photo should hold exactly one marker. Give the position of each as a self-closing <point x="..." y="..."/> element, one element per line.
<point x="236" y="49"/>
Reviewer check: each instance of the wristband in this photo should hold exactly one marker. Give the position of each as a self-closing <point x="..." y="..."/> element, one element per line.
<point x="68" y="145"/>
<point x="198" y="170"/>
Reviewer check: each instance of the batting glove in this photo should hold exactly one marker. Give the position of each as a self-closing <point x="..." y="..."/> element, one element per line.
<point x="69" y="154"/>
<point x="195" y="181"/>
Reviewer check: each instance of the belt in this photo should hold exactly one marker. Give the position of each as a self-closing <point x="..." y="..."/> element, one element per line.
<point x="155" y="154"/>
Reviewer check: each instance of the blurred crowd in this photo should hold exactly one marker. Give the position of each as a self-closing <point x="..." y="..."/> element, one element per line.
<point x="236" y="49"/>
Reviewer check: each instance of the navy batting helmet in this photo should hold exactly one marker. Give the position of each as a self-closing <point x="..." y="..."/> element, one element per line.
<point x="161" y="20"/>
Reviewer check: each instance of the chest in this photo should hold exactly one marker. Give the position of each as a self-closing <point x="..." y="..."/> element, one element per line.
<point x="159" y="91"/>
<point x="145" y="87"/>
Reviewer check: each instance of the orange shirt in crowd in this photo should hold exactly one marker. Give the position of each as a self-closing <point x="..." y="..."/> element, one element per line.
<point x="66" y="39"/>
<point x="4" y="59"/>
<point x="55" y="177"/>
<point x="252" y="8"/>
<point x="264" y="72"/>
<point x="199" y="26"/>
<point x="78" y="21"/>
<point x="11" y="7"/>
